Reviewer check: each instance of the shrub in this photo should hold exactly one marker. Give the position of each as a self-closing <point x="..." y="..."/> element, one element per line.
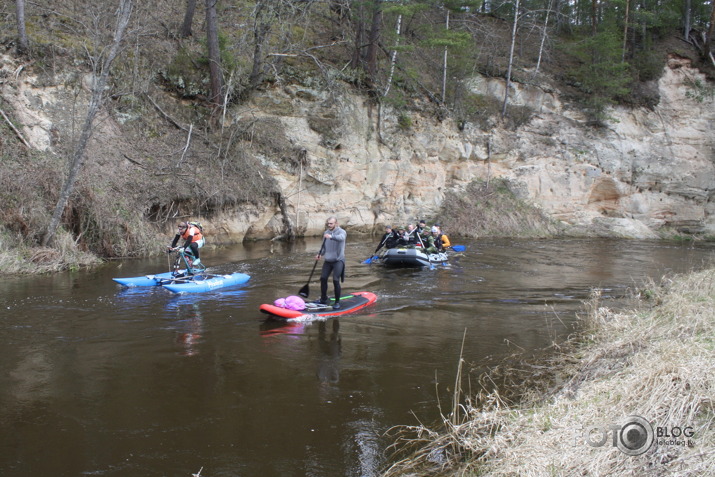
<point x="490" y="208"/>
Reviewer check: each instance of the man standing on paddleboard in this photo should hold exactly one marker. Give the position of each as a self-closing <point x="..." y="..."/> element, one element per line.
<point x="334" y="255"/>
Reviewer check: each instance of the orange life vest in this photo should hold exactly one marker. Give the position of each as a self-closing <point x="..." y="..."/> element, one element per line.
<point x="192" y="230"/>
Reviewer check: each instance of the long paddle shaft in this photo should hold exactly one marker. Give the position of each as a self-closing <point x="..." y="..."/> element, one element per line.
<point x="371" y="257"/>
<point x="305" y="291"/>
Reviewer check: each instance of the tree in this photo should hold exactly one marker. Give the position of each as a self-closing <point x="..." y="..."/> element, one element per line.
<point x="544" y="33"/>
<point x="393" y="55"/>
<point x="709" y="36"/>
<point x="450" y="39"/>
<point x="511" y="58"/>
<point x="602" y="75"/>
<point x="263" y="16"/>
<point x="686" y="20"/>
<point x="594" y="17"/>
<point x="102" y="67"/>
<point x="625" y="30"/>
<point x="215" y="70"/>
<point x="373" y="40"/>
<point x="185" y="31"/>
<point x="22" y="43"/>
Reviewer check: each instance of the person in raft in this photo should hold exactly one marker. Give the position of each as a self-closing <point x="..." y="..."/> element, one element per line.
<point x="388" y="240"/>
<point x="442" y="237"/>
<point x="422" y="228"/>
<point x="193" y="239"/>
<point x="435" y="241"/>
<point x="334" y="255"/>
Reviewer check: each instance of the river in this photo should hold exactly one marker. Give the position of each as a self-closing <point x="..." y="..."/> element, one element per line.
<point x="96" y="379"/>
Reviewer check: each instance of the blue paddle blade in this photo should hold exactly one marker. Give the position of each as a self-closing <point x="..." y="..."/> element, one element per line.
<point x="369" y="260"/>
<point x="459" y="248"/>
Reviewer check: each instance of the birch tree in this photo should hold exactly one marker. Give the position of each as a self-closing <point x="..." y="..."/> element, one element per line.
<point x="544" y="33"/>
<point x="102" y="67"/>
<point x="393" y="55"/>
<point x="511" y="58"/>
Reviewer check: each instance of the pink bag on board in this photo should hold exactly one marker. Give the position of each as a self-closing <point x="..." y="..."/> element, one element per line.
<point x="291" y="303"/>
<point x="294" y="303"/>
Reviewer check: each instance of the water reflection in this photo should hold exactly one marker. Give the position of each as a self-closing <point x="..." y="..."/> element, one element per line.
<point x="330" y="351"/>
<point x="189" y="320"/>
<point x="274" y="328"/>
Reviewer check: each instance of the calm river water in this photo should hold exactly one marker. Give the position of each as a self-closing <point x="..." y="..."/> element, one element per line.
<point x="100" y="380"/>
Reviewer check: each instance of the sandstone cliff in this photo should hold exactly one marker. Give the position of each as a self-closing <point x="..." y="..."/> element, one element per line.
<point x="646" y="169"/>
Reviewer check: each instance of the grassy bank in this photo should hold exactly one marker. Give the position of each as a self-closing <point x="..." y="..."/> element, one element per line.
<point x="657" y="362"/>
<point x="16" y="257"/>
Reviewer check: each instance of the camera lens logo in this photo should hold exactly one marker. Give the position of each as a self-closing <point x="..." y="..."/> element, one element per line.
<point x="635" y="436"/>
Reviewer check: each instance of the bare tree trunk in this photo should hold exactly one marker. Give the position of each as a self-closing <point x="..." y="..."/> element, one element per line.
<point x="185" y="31"/>
<point x="543" y="36"/>
<point x="559" y="21"/>
<point x="594" y="17"/>
<point x="511" y="59"/>
<point x="22" y="43"/>
<point x="261" y="29"/>
<point x="356" y="60"/>
<point x="393" y="59"/>
<point x="99" y="82"/>
<point x="686" y="20"/>
<point x="444" y="66"/>
<point x="625" y="30"/>
<point x="373" y="40"/>
<point x="215" y="78"/>
<point x="711" y="30"/>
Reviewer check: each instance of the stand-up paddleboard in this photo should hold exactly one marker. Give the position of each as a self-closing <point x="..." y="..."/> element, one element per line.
<point x="348" y="304"/>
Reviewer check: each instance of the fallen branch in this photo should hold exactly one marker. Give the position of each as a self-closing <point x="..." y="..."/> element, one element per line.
<point x="161" y="111"/>
<point x="19" y="135"/>
<point x="186" y="148"/>
<point x="134" y="162"/>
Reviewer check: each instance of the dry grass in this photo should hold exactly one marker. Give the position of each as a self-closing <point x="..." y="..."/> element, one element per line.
<point x="657" y="362"/>
<point x="17" y="258"/>
<point x="492" y="209"/>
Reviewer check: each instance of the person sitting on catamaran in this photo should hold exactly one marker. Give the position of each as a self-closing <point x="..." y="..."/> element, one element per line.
<point x="193" y="239"/>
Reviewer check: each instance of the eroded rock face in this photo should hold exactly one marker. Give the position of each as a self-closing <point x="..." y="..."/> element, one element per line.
<point x="646" y="169"/>
<point x="371" y="166"/>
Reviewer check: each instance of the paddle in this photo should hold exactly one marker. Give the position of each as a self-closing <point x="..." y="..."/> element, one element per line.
<point x="459" y="248"/>
<point x="370" y="259"/>
<point x="305" y="291"/>
<point x="375" y="257"/>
